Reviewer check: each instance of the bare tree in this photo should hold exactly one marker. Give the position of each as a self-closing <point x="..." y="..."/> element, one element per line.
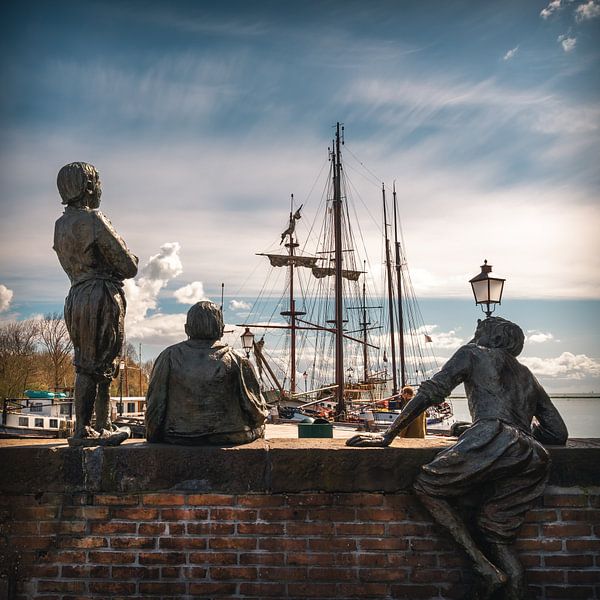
<point x="17" y="355"/>
<point x="55" y="339"/>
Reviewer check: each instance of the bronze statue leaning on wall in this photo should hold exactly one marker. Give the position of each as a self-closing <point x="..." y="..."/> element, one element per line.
<point x="97" y="261"/>
<point x="498" y="463"/>
<point x="201" y="391"/>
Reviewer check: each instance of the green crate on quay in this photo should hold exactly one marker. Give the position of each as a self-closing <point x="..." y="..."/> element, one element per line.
<point x="315" y="430"/>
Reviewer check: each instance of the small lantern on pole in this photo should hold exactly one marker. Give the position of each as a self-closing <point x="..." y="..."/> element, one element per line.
<point x="247" y="341"/>
<point x="487" y="290"/>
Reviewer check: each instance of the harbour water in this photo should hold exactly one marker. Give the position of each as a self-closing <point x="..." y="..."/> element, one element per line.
<point x="581" y="414"/>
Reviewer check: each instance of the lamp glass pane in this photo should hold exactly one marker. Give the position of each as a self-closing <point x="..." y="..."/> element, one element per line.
<point x="480" y="289"/>
<point x="496" y="286"/>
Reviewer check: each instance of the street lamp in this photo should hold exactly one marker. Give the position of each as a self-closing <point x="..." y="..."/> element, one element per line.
<point x="487" y="290"/>
<point x="121" y="371"/>
<point x="247" y="341"/>
<point x="305" y="375"/>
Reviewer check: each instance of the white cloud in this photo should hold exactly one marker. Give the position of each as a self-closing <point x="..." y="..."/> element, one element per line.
<point x="158" y="329"/>
<point x="568" y="43"/>
<point x="238" y="305"/>
<point x="511" y="53"/>
<point x="589" y="10"/>
<point x="5" y="297"/>
<point x="538" y="337"/>
<point x="565" y="366"/>
<point x="553" y="7"/>
<point x="190" y="293"/>
<point x="446" y="340"/>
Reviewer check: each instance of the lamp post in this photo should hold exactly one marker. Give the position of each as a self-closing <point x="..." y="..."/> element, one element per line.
<point x="121" y="371"/>
<point x="486" y="289"/>
<point x="247" y="341"/>
<point x="305" y="376"/>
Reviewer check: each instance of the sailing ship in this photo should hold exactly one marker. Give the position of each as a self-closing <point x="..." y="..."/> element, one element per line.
<point x="330" y="337"/>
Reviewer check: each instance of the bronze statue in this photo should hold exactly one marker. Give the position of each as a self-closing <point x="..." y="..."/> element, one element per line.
<point x="201" y="391"/>
<point x="97" y="261"/>
<point x="498" y="463"/>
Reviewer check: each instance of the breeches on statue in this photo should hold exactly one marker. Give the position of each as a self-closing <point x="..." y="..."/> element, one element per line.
<point x="500" y="465"/>
<point x="95" y="315"/>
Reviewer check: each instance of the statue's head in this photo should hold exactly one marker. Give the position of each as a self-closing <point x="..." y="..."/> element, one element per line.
<point x="496" y="332"/>
<point x="204" y="321"/>
<point x="79" y="184"/>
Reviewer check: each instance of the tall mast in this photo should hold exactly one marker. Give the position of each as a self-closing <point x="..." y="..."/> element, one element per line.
<point x="291" y="245"/>
<point x="399" y="284"/>
<point x="388" y="264"/>
<point x="337" y="230"/>
<point x="365" y="324"/>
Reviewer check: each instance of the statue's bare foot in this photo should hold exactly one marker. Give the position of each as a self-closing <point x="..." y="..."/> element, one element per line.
<point x="104" y="438"/>
<point x="490" y="580"/>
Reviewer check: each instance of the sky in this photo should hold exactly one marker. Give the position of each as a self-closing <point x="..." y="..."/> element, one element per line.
<point x="203" y="119"/>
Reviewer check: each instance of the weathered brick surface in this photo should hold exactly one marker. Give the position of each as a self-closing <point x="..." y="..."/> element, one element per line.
<point x="313" y="545"/>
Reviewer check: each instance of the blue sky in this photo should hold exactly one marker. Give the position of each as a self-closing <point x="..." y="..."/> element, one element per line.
<point x="203" y="119"/>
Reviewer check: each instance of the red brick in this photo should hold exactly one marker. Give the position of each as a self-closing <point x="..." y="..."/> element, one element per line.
<point x="383" y="544"/>
<point x="183" y="543"/>
<point x="135" y="514"/>
<point x="194" y="573"/>
<point x="84" y="542"/>
<point x="376" y="514"/>
<point x="37" y="513"/>
<point x="539" y="544"/>
<point x="170" y="573"/>
<point x="309" y="529"/>
<point x="283" y="544"/>
<point x="274" y="515"/>
<point x="262" y="590"/>
<point x="261" y="558"/>
<point x="237" y="543"/>
<point x="312" y="590"/>
<point x="355" y="500"/>
<point x="541" y="516"/>
<point x="569" y="560"/>
<point x="312" y="558"/>
<point x="85" y="571"/>
<point x="580" y="514"/>
<point x="404" y="501"/>
<point x="151" y="528"/>
<point x="261" y="528"/>
<point x="333" y="574"/>
<point x="213" y="558"/>
<point x="310" y="500"/>
<point x="34" y="542"/>
<point x="412" y="592"/>
<point x="529" y="530"/>
<point x="417" y="559"/>
<point x="332" y="544"/>
<point x="210" y="528"/>
<point x="135" y="573"/>
<point x="161" y="558"/>
<point x="377" y="529"/>
<point x="85" y="512"/>
<point x="68" y="556"/>
<point x="367" y="559"/>
<point x="43" y="571"/>
<point x="117" y="500"/>
<point x="233" y="514"/>
<point x="283" y="573"/>
<point x="379" y="575"/>
<point x="184" y="514"/>
<point x="429" y="544"/>
<point x="576" y="577"/>
<point x="25" y="527"/>
<point x="111" y="558"/>
<point x="261" y="501"/>
<point x="530" y="560"/>
<point x="420" y="530"/>
<point x="169" y="588"/>
<point x="566" y="530"/>
<point x="232" y="573"/>
<point x="210" y="589"/>
<point x="113" y="527"/>
<point x="174" y="529"/>
<point x="333" y="514"/>
<point x="162" y="499"/>
<point x="569" y="593"/>
<point x="146" y="543"/>
<point x="566" y="500"/>
<point x="76" y="587"/>
<point x="70" y="527"/>
<point x="448" y="559"/>
<point x="210" y="500"/>
<point x="112" y="587"/>
<point x="545" y="576"/>
<point x="362" y="590"/>
<point x="583" y="545"/>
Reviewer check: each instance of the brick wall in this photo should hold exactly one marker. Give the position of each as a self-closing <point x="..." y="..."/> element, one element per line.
<point x="59" y="546"/>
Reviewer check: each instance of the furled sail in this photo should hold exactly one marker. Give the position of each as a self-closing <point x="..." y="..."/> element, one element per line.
<point x="320" y="272"/>
<point x="285" y="260"/>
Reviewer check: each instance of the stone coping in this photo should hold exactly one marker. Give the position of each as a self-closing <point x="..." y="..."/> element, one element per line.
<point x="264" y="466"/>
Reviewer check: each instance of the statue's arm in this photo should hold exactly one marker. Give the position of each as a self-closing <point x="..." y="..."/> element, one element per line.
<point x="253" y="403"/>
<point x="157" y="397"/>
<point x="113" y="248"/>
<point x="551" y="428"/>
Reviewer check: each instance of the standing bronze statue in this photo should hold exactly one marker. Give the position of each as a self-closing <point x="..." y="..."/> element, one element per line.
<point x="97" y="261"/>
<point x="201" y="391"/>
<point x="498" y="463"/>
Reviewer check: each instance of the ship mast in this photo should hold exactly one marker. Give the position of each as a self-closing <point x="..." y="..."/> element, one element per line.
<point x="337" y="218"/>
<point x="399" y="286"/>
<point x="388" y="263"/>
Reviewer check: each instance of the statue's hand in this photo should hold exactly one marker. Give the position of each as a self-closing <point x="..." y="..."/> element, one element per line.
<point x="364" y="440"/>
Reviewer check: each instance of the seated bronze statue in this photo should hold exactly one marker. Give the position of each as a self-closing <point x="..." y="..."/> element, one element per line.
<point x="201" y="391"/>
<point x="498" y="464"/>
